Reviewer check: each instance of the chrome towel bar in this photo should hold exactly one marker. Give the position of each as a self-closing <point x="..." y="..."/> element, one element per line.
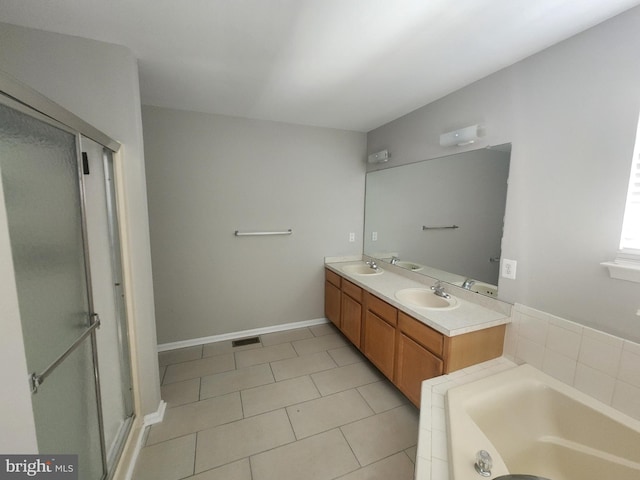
<point x="238" y="233"/>
<point x="424" y="227"/>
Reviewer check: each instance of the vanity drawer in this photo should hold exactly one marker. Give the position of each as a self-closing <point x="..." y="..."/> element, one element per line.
<point x="421" y="333"/>
<point x="332" y="277"/>
<point x="352" y="290"/>
<point x="382" y="309"/>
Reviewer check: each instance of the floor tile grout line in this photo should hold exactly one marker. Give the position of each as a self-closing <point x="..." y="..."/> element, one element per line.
<point x="325" y="397"/>
<point x="250" y="466"/>
<point x="301" y="440"/>
<point x="373" y="414"/>
<point x="242" y="404"/>
<point x="280" y="406"/>
<point x="273" y="375"/>
<point x="295" y="349"/>
<point x="357" y="389"/>
<point x="261" y="451"/>
<point x="286" y="411"/>
<point x="350" y="447"/>
<point x="182" y="361"/>
<point x="409" y="456"/>
<point x="195" y="453"/>
<point x="355" y="386"/>
<point x="388" y="382"/>
<point x="316" y="385"/>
<point x="201" y="430"/>
<point x="309" y="373"/>
<point x="288" y="341"/>
<point x="193" y="378"/>
<point x="172" y="438"/>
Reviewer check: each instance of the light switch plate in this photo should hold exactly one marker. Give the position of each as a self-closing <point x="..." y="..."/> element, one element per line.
<point x="352" y="237"/>
<point x="508" y="269"/>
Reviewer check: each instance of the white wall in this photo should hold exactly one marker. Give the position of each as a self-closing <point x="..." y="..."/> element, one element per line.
<point x="99" y="83"/>
<point x="209" y="175"/>
<point x="571" y="112"/>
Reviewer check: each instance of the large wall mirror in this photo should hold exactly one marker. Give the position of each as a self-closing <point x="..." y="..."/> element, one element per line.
<point x="442" y="217"/>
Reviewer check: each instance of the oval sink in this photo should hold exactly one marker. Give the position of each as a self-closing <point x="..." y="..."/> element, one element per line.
<point x="485" y="289"/>
<point x="361" y="269"/>
<point x="425" y="298"/>
<point x="414" y="267"/>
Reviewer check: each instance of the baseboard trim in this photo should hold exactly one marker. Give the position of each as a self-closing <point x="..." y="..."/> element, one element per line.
<point x="243" y="333"/>
<point x="147" y="421"/>
<point x="155" y="417"/>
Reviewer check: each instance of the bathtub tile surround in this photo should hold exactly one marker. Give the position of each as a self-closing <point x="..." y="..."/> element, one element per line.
<point x="598" y="364"/>
<point x="432" y="461"/>
<point x="299" y="404"/>
<point x="601" y="365"/>
<point x="532" y="423"/>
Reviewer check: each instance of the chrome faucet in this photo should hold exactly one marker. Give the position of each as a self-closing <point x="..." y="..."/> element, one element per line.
<point x="372" y="264"/>
<point x="483" y="464"/>
<point x="438" y="289"/>
<point x="394" y="260"/>
<point x="468" y="283"/>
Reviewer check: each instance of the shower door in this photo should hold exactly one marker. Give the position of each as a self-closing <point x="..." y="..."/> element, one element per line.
<point x="43" y="195"/>
<point x="108" y="296"/>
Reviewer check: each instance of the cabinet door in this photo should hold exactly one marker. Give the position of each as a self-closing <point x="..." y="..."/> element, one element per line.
<point x="332" y="303"/>
<point x="351" y="321"/>
<point x="415" y="364"/>
<point x="422" y="334"/>
<point x="379" y="343"/>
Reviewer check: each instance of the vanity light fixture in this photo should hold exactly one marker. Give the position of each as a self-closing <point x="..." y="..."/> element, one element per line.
<point x="461" y="137"/>
<point x="379" y="157"/>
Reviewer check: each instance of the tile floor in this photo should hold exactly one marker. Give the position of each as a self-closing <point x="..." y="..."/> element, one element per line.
<point x="302" y="404"/>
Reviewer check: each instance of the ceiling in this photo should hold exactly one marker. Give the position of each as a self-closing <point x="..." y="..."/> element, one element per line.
<point x="349" y="64"/>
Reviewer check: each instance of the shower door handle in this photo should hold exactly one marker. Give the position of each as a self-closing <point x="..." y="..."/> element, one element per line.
<point x="36" y="380"/>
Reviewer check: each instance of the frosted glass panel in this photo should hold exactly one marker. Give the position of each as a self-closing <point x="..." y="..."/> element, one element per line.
<point x="38" y="166"/>
<point x="66" y="415"/>
<point x="40" y="180"/>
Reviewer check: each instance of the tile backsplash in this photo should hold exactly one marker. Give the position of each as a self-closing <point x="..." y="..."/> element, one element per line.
<point x="601" y="365"/>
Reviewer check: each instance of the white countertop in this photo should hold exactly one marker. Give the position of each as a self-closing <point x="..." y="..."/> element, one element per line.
<point x="467" y="317"/>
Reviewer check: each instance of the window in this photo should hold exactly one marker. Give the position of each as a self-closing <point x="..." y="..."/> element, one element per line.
<point x="630" y="241"/>
<point x="626" y="266"/>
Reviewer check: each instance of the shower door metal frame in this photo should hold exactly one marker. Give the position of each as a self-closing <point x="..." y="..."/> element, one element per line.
<point x="115" y="250"/>
<point x="24" y="99"/>
<point x="37" y="379"/>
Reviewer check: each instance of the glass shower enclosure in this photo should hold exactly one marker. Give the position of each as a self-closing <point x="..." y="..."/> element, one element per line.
<point x="47" y="196"/>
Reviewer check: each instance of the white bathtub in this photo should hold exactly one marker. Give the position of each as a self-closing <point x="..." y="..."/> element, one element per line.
<point x="531" y="423"/>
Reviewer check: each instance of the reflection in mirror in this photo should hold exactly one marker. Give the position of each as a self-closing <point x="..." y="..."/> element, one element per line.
<point x="442" y="217"/>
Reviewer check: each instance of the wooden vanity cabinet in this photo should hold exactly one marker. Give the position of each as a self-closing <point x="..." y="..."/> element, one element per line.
<point x="351" y="312"/>
<point x="332" y="296"/>
<point x="379" y="337"/>
<point x="405" y="350"/>
<point x="471" y="348"/>
<point x="419" y="356"/>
